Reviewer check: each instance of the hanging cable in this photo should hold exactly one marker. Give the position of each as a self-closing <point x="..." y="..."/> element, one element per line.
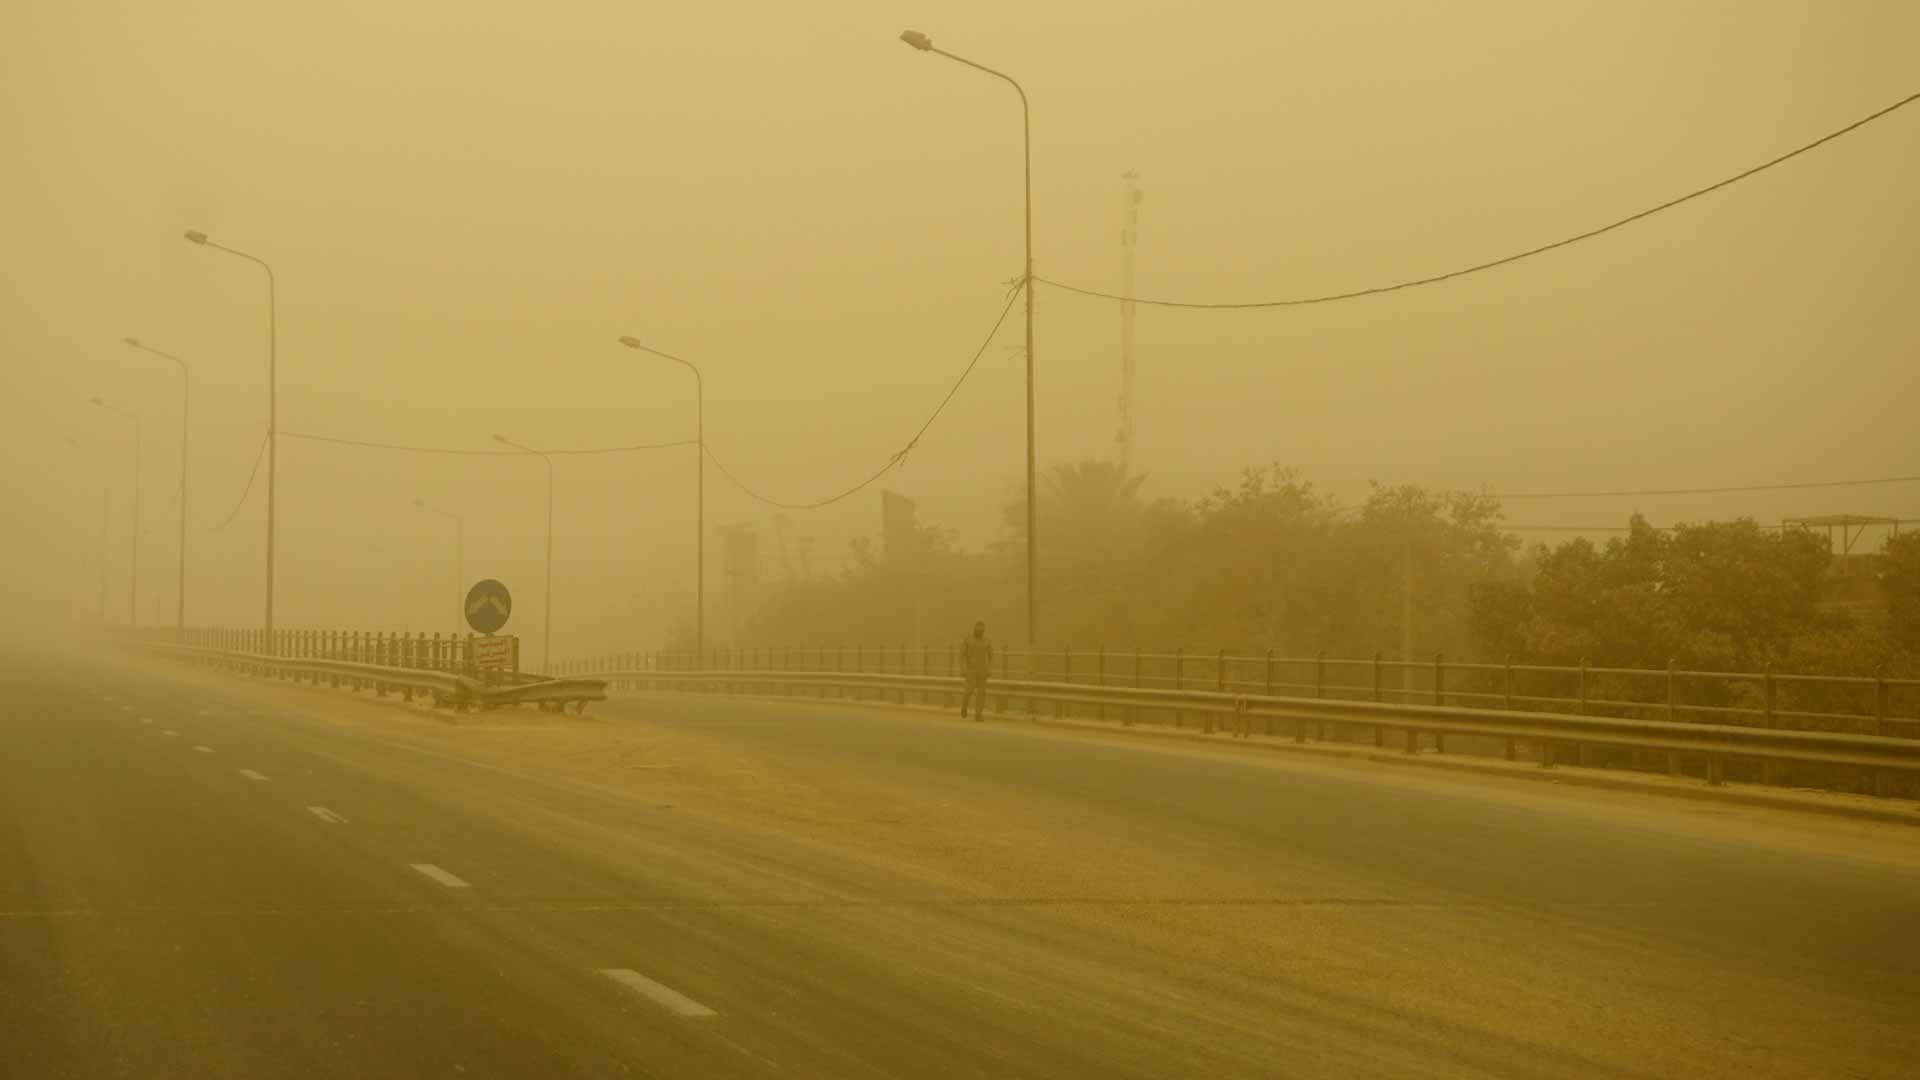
<point x="1700" y="491"/>
<point x="900" y="455"/>
<point x="258" y="456"/>
<point x="369" y="444"/>
<point x="1478" y="267"/>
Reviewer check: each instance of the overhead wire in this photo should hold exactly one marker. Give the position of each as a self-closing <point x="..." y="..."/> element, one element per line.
<point x="1794" y="486"/>
<point x="258" y="456"/>
<point x="899" y="456"/>
<point x="1493" y="263"/>
<point x="1662" y="528"/>
<point x="470" y="451"/>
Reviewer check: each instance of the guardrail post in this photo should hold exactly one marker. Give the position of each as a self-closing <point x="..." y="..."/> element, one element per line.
<point x="1379" y="730"/>
<point x="1673" y="716"/>
<point x="1033" y="660"/>
<point x="1439" y="698"/>
<point x="407" y="649"/>
<point x="1065" y="708"/>
<point x="1769" y="769"/>
<point x="1006" y="661"/>
<point x="1132" y="712"/>
<point x="379" y="643"/>
<point x="1506" y="694"/>
<point x="1220" y="672"/>
<point x="1716" y="770"/>
<point x="1179" y="666"/>
<point x="1100" y="680"/>
<point x="1267" y="679"/>
<point x="1320" y="690"/>
<point x="1880" y="702"/>
<point x="1583" y="686"/>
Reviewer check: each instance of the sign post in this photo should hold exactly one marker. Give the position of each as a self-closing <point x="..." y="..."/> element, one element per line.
<point x="487" y="608"/>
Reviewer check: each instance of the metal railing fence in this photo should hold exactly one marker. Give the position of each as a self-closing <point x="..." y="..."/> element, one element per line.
<point x="398" y="649"/>
<point x="1866" y="705"/>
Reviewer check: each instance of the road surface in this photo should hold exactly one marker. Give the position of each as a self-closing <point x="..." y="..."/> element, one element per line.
<point x="208" y="876"/>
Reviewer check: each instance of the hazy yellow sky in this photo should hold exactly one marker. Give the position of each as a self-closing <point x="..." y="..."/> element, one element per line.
<point x="466" y="203"/>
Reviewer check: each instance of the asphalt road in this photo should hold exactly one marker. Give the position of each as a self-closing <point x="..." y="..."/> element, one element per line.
<point x="205" y="876"/>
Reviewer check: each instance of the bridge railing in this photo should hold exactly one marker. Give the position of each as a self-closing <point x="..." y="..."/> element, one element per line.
<point x="1865" y="705"/>
<point x="399" y="649"/>
<point x="1877" y="764"/>
<point x="403" y="669"/>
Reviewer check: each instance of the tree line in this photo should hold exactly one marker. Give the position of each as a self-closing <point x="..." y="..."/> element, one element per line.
<point x="1273" y="563"/>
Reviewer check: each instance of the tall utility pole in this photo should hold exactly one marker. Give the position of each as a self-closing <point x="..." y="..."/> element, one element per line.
<point x="922" y="42"/>
<point x="186" y="403"/>
<point x="699" y="489"/>
<point x="273" y="407"/>
<point x="1129" y="236"/>
<point x="133" y="548"/>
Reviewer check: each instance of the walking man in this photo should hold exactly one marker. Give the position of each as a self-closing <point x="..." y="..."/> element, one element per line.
<point x="976" y="662"/>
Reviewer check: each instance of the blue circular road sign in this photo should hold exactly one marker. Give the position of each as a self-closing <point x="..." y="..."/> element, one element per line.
<point x="488" y="605"/>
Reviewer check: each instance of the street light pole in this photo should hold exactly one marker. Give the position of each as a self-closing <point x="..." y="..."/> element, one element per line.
<point x="133" y="546"/>
<point x="546" y="639"/>
<point x="186" y="401"/>
<point x="273" y="411"/>
<point x="925" y="44"/>
<point x="699" y="490"/>
<point x="460" y="557"/>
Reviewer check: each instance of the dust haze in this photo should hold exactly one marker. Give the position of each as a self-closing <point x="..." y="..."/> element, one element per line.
<point x="466" y="205"/>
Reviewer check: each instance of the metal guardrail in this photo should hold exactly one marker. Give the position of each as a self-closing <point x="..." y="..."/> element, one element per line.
<point x="1869" y="705"/>
<point x="1556" y="737"/>
<point x="447" y="688"/>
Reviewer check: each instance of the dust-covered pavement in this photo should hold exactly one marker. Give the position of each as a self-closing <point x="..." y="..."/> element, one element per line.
<point x="854" y="892"/>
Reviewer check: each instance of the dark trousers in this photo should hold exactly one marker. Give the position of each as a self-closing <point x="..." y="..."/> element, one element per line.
<point x="975" y="692"/>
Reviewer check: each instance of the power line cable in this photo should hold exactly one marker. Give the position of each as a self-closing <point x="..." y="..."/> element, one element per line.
<point x="373" y="445"/>
<point x="900" y="455"/>
<point x="1809" y="484"/>
<point x="1661" y="528"/>
<point x="258" y="456"/>
<point x="1478" y="267"/>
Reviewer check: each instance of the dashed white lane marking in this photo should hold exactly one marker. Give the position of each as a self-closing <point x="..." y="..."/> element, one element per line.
<point x="204" y="749"/>
<point x="664" y="996"/>
<point x="326" y="815"/>
<point x="251" y="775"/>
<point x="146" y="719"/>
<point x="171" y="734"/>
<point x="440" y="875"/>
<point x="204" y="712"/>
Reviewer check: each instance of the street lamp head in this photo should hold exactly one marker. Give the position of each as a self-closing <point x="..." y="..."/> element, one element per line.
<point x="421" y="503"/>
<point x="916" y="39"/>
<point x="196" y="236"/>
<point x="502" y="439"/>
<point x="133" y="341"/>
<point x="631" y="342"/>
<point x="96" y="400"/>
